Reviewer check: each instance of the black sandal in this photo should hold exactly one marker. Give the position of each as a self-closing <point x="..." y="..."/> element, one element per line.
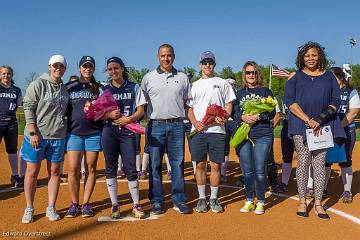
<point x="304" y="214"/>
<point x="322" y="216"/>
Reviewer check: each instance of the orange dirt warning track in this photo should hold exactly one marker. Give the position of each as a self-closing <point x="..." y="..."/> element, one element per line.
<point x="278" y="222"/>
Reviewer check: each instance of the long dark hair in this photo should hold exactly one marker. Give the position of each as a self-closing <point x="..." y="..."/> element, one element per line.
<point x="95" y="87"/>
<point x="339" y="73"/>
<point x="302" y="50"/>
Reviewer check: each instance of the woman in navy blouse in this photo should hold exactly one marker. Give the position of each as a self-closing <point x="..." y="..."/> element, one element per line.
<point x="313" y="96"/>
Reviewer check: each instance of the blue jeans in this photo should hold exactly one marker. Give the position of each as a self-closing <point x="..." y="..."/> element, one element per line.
<point x="252" y="160"/>
<point x="170" y="136"/>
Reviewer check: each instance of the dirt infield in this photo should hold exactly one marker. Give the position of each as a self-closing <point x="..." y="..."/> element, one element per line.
<point x="278" y="222"/>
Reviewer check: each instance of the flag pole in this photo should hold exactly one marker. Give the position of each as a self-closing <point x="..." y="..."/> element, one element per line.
<point x="270" y="76"/>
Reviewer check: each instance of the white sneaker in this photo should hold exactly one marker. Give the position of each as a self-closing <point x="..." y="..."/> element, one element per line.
<point x="28" y="215"/>
<point x="51" y="213"/>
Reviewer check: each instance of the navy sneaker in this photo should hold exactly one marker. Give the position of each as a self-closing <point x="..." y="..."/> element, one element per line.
<point x="157" y="208"/>
<point x="87" y="211"/>
<point x="182" y="208"/>
<point x="73" y="211"/>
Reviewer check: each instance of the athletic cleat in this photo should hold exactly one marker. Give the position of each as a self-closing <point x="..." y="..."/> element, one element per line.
<point x="346" y="197"/>
<point x="138" y="211"/>
<point x="14" y="181"/>
<point x="21" y="182"/>
<point x="201" y="206"/>
<point x="87" y="211"/>
<point x="28" y="215"/>
<point x="63" y="178"/>
<point x="142" y="175"/>
<point x="215" y="206"/>
<point x="259" y="209"/>
<point x="73" y="211"/>
<point x="248" y="207"/>
<point x="51" y="213"/>
<point x="115" y="211"/>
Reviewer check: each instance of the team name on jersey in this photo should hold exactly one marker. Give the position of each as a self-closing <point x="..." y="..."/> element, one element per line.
<point x="81" y="94"/>
<point x="8" y="95"/>
<point x="249" y="96"/>
<point x="123" y="96"/>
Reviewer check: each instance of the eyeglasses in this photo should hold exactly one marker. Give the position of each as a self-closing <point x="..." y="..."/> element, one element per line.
<point x="250" y="72"/>
<point x="207" y="61"/>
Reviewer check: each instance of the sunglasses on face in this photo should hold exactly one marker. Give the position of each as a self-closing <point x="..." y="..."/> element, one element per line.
<point x="207" y="61"/>
<point x="250" y="72"/>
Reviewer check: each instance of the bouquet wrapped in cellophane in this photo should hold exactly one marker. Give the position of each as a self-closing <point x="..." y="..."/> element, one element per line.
<point x="252" y="106"/>
<point x="212" y="112"/>
<point x="97" y="109"/>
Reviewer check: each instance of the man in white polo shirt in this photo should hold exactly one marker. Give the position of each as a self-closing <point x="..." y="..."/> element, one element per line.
<point x="210" y="139"/>
<point x="166" y="91"/>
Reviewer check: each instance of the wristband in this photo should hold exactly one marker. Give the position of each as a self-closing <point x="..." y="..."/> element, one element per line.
<point x="327" y="114"/>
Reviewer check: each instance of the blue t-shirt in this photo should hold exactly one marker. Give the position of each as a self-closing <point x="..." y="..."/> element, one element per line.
<point x="79" y="94"/>
<point x="261" y="127"/>
<point x="313" y="94"/>
<point x="9" y="99"/>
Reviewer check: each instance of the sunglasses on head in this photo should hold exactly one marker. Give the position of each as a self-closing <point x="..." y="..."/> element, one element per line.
<point x="310" y="43"/>
<point x="207" y="61"/>
<point x="250" y="72"/>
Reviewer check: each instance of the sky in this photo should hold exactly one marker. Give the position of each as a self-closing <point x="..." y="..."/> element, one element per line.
<point x="236" y="31"/>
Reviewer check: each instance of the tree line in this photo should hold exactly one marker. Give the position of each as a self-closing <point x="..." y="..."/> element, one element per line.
<point x="277" y="83"/>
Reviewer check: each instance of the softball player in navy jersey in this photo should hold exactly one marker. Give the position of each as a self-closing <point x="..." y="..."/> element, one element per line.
<point x="10" y="98"/>
<point x="348" y="110"/>
<point x="116" y="139"/>
<point x="84" y="137"/>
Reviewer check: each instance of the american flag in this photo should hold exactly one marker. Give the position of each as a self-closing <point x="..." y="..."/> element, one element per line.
<point x="277" y="71"/>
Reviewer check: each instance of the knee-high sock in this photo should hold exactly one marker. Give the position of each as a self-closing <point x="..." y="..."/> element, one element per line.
<point x="347" y="176"/>
<point x="13" y="160"/>
<point x="112" y="187"/>
<point x="311" y="178"/>
<point x="167" y="162"/>
<point x="286" y="172"/>
<point x="145" y="162"/>
<point x="120" y="163"/>
<point x="134" y="191"/>
<point x="327" y="176"/>
<point x="201" y="191"/>
<point x="83" y="165"/>
<point x="138" y="162"/>
<point x="22" y="167"/>
<point x="213" y="192"/>
<point x="194" y="166"/>
<point x="224" y="166"/>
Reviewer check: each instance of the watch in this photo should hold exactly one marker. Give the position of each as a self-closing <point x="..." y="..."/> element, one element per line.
<point x="32" y="133"/>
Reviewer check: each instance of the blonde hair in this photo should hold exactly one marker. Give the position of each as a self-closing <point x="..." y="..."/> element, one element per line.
<point x="258" y="74"/>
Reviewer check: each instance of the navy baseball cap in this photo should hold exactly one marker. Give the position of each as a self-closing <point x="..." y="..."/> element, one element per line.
<point x="87" y="59"/>
<point x="116" y="60"/>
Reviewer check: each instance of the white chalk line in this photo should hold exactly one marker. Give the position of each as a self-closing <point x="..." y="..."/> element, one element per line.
<point x="340" y="213"/>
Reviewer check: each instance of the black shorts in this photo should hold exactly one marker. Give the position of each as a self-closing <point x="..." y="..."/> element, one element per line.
<point x="10" y="135"/>
<point x="208" y="143"/>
